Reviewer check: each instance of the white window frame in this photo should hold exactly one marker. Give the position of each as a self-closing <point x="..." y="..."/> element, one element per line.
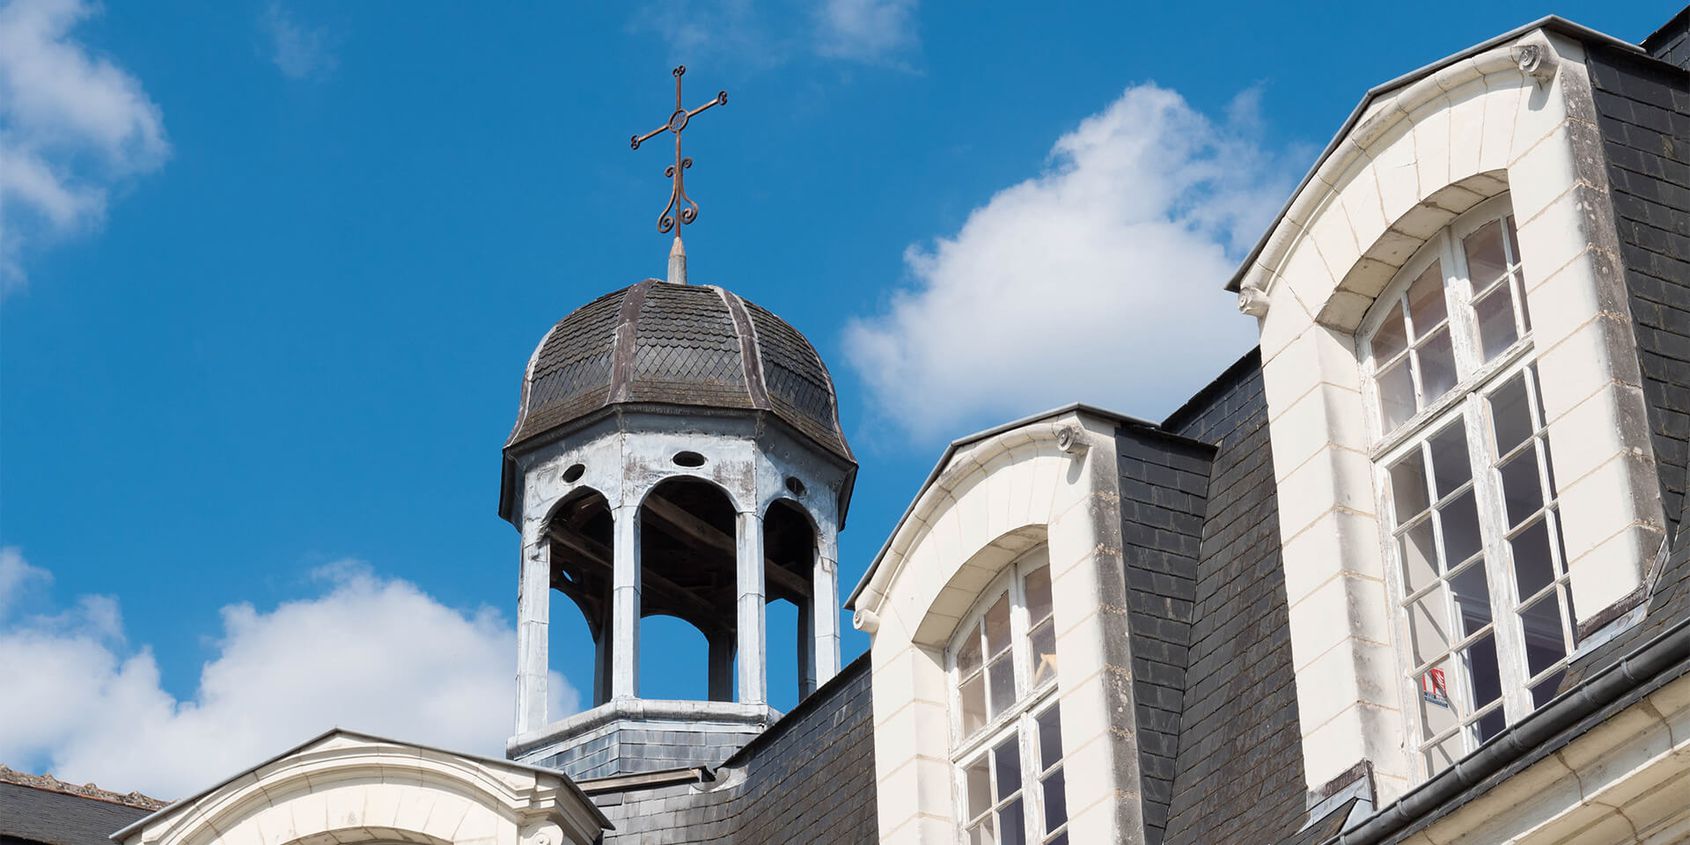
<point x="1020" y="718"/>
<point x="1469" y="401"/>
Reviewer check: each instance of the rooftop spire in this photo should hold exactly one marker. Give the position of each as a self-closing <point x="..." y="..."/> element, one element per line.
<point x="681" y="210"/>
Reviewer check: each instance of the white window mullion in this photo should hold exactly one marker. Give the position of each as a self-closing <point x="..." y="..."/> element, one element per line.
<point x="1493" y="522"/>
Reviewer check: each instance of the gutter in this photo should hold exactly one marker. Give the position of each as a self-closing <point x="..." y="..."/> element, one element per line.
<point x="1667" y="654"/>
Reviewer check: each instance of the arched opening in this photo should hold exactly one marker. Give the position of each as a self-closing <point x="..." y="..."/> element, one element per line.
<point x="688" y="561"/>
<point x="580" y="532"/>
<point x="789" y="545"/>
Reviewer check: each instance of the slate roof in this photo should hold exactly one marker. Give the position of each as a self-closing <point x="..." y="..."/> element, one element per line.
<point x="44" y="809"/>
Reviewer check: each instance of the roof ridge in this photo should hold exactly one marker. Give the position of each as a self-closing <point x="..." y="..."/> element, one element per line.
<point x="48" y="783"/>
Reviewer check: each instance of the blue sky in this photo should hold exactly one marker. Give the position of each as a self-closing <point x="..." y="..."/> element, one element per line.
<point x="271" y="272"/>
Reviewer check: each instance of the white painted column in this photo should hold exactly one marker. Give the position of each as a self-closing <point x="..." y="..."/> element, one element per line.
<point x="824" y="613"/>
<point x="625" y="604"/>
<point x="753" y="677"/>
<point x="533" y="614"/>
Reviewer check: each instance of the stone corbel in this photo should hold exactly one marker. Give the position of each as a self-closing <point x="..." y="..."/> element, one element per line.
<point x="865" y="620"/>
<point x="1252" y="300"/>
<point x="1535" y="58"/>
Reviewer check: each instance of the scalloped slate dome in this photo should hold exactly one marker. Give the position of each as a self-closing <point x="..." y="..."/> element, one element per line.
<point x="667" y="344"/>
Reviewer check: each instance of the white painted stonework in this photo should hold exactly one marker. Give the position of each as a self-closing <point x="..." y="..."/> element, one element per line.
<point x="991" y="501"/>
<point x="1418" y="157"/>
<point x="348" y="787"/>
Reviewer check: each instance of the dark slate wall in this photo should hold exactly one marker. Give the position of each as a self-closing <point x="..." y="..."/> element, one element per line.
<point x="1239" y="772"/>
<point x="1643" y="112"/>
<point x="809" y="778"/>
<point x="1672" y="43"/>
<point x="1164" y="482"/>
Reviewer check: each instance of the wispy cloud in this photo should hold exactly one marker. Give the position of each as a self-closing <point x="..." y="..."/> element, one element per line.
<point x="1098" y="280"/>
<point x="299" y="51"/>
<point x="73" y="125"/>
<point x="765" y="34"/>
<point x="366" y="652"/>
<point x="873" y="31"/>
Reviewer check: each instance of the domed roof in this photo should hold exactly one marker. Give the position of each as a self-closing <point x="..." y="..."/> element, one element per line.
<point x="669" y="344"/>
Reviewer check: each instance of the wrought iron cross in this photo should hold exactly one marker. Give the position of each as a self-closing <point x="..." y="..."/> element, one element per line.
<point x="680" y="207"/>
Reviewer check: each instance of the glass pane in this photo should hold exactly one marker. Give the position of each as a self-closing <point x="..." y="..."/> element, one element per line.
<point x="1428" y="626"/>
<point x="1426" y="300"/>
<point x="1491" y="724"/>
<point x="1000" y="680"/>
<point x="1012" y="824"/>
<point x="1408" y="486"/>
<point x="978" y="777"/>
<point x="1546" y="689"/>
<point x="1460" y="522"/>
<point x="1484" y="254"/>
<point x="1495" y="312"/>
<point x="1050" y="738"/>
<point x="1482" y="672"/>
<point x="1548" y="467"/>
<point x="1472" y="597"/>
<point x="1006" y="758"/>
<point x="1521" y="490"/>
<point x="1514" y="253"/>
<point x="1390" y="338"/>
<point x="973" y="705"/>
<point x="997" y="625"/>
<point x="1545" y="643"/>
<point x="1533" y="567"/>
<point x="1419" y="556"/>
<point x="1437" y="367"/>
<point x="1444" y="754"/>
<point x="1042" y="639"/>
<point x="1038" y="594"/>
<point x="984" y="834"/>
<point x="1396" y="395"/>
<point x="1511" y="415"/>
<point x="1056" y="801"/>
<point x="1450" y="467"/>
<point x="968" y="654"/>
<point x="1437" y="708"/>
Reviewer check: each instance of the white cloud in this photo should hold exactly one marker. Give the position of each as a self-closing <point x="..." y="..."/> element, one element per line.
<point x="72" y="125"/>
<point x="368" y="653"/>
<point x="299" y="51"/>
<point x="865" y="30"/>
<point x="17" y="576"/>
<point x="1098" y="280"/>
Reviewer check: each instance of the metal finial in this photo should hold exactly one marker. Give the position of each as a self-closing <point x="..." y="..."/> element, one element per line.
<point x="681" y="210"/>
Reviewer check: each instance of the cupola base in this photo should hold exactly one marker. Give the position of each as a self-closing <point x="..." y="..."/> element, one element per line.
<point x="635" y="735"/>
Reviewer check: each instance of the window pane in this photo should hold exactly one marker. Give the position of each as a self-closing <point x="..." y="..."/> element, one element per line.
<point x="1514" y="250"/>
<point x="1429" y="626"/>
<point x="973" y="704"/>
<point x="1484" y="255"/>
<point x="1408" y="487"/>
<point x="1511" y="415"/>
<point x="1396" y="395"/>
<point x="1056" y="801"/>
<point x="1482" y="672"/>
<point x="1450" y="466"/>
<point x="1472" y="597"/>
<point x="984" y="834"/>
<point x="1042" y="640"/>
<point x="1050" y="738"/>
<point x="1444" y="754"/>
<point x="1544" y="641"/>
<point x="1426" y="300"/>
<point x="1437" y="367"/>
<point x="1000" y="681"/>
<point x="1533" y="567"/>
<point x="1437" y="707"/>
<point x="997" y="625"/>
<point x="1495" y="312"/>
<point x="1006" y="758"/>
<point x="1521" y="490"/>
<point x="1012" y="824"/>
<point x="1546" y="689"/>
<point x="1038" y="594"/>
<point x="978" y="776"/>
<point x="1460" y="522"/>
<point x="1390" y="338"/>
<point x="1491" y="724"/>
<point x="1419" y="557"/>
<point x="968" y="653"/>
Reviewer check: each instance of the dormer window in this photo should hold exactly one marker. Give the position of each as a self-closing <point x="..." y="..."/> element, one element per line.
<point x="1463" y="474"/>
<point x="1006" y="725"/>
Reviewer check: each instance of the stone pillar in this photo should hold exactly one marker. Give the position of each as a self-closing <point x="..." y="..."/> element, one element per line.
<point x="533" y="614"/>
<point x="721" y="683"/>
<point x="806" y="650"/>
<point x="824" y="617"/>
<point x="753" y="678"/>
<point x="625" y="604"/>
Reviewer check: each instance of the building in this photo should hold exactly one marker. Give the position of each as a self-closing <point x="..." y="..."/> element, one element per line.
<point x="1417" y="569"/>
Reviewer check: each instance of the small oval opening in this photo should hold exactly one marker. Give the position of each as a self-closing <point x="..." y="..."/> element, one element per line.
<point x="689" y="459"/>
<point x="794" y="486"/>
<point x="574" y="473"/>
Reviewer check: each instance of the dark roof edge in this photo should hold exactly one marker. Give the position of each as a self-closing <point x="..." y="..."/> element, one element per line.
<point x="1199" y="400"/>
<point x="860" y="663"/>
<point x="603" y="820"/>
<point x="968" y="440"/>
<point x="1666" y="653"/>
<point x="1674" y="25"/>
<point x="1554" y="23"/>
